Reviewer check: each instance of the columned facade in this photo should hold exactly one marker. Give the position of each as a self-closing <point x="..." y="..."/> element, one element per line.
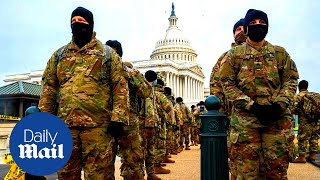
<point x="173" y="57"/>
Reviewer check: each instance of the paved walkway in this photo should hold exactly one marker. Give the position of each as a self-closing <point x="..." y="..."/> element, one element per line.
<point x="187" y="166"/>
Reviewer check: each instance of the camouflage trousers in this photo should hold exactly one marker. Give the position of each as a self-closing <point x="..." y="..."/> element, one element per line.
<point x="176" y="139"/>
<point x="260" y="152"/>
<point x="160" y="144"/>
<point x="308" y="133"/>
<point x="92" y="151"/>
<point x="232" y="166"/>
<point x="148" y="148"/>
<point x="169" y="139"/>
<point x="131" y="153"/>
<point x="185" y="133"/>
<point x="195" y="133"/>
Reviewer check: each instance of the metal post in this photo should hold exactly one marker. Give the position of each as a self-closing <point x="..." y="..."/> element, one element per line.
<point x="214" y="152"/>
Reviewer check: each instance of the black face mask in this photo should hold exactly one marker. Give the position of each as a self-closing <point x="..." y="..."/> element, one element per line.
<point x="257" y="32"/>
<point x="82" y="33"/>
<point x="201" y="108"/>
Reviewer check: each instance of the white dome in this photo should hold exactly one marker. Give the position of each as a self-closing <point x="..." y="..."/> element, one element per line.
<point x="175" y="45"/>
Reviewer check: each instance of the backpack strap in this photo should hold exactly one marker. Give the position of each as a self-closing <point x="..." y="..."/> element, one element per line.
<point x="107" y="60"/>
<point x="58" y="55"/>
<point x="239" y="55"/>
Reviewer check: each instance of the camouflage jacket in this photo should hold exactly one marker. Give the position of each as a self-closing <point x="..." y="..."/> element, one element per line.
<point x="164" y="106"/>
<point x="172" y="113"/>
<point x="216" y="86"/>
<point x="263" y="75"/>
<point x="185" y="114"/>
<point x="139" y="90"/>
<point x="298" y="107"/>
<point x="79" y="84"/>
<point x="196" y="116"/>
<point x="178" y="112"/>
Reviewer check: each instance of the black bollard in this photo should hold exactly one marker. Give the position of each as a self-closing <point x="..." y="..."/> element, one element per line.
<point x="214" y="151"/>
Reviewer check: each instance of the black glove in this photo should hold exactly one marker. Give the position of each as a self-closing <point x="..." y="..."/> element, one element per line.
<point x="257" y="110"/>
<point x="262" y="112"/>
<point x="276" y="110"/>
<point x="116" y="129"/>
<point x="267" y="113"/>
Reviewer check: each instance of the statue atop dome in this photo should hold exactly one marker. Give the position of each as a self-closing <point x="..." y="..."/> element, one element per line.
<point x="172" y="11"/>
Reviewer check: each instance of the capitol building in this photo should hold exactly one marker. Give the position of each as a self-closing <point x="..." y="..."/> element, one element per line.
<point x="173" y="57"/>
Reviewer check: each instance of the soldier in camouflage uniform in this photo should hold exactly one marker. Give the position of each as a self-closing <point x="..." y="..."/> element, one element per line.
<point x="195" y="129"/>
<point x="77" y="84"/>
<point x="131" y="151"/>
<point x="186" y="122"/>
<point x="170" y="122"/>
<point x="309" y="130"/>
<point x="173" y="127"/>
<point x="179" y="120"/>
<point x="163" y="108"/>
<point x="215" y="84"/>
<point x="216" y="87"/>
<point x="261" y="80"/>
<point x="148" y="120"/>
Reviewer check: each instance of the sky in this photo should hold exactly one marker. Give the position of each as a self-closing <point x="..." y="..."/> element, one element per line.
<point x="32" y="30"/>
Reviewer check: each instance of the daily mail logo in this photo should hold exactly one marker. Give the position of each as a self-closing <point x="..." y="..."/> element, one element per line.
<point x="32" y="151"/>
<point x="41" y="144"/>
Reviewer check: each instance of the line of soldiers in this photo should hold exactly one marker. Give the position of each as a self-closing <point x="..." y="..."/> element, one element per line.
<point x="256" y="83"/>
<point x="112" y="109"/>
<point x="309" y="129"/>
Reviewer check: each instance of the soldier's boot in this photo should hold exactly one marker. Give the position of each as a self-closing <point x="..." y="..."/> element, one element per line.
<point x="181" y="148"/>
<point x="178" y="150"/>
<point x="300" y="159"/>
<point x="169" y="156"/>
<point x="153" y="177"/>
<point x="167" y="160"/>
<point x="187" y="148"/>
<point x="312" y="157"/>
<point x="160" y="170"/>
<point x="195" y="143"/>
<point x="174" y="152"/>
<point x="192" y="144"/>
<point x="163" y="164"/>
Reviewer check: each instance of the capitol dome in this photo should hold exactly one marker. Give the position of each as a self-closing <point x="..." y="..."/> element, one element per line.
<point x="175" y="45"/>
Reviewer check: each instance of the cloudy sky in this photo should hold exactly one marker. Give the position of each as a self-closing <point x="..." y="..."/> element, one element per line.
<point x="32" y="30"/>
